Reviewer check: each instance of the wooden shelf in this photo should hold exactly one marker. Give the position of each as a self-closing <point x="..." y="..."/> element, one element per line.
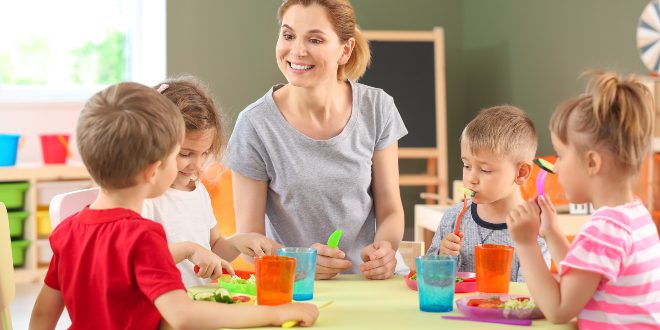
<point x="418" y="180"/>
<point x="418" y="153"/>
<point x="34" y="174"/>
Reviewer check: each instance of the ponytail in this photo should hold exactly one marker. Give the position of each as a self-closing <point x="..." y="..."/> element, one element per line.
<point x="615" y="114"/>
<point x="359" y="61"/>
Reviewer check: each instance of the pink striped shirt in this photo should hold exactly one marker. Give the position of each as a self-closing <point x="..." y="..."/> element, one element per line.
<point x="620" y="243"/>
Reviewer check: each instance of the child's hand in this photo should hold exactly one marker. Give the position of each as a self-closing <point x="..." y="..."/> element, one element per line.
<point x="306" y="314"/>
<point x="549" y="222"/>
<point x="524" y="222"/>
<point x="329" y="261"/>
<point x="253" y="244"/>
<point x="379" y="261"/>
<point x="209" y="264"/>
<point x="451" y="244"/>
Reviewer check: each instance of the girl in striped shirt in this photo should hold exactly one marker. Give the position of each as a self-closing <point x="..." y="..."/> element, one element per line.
<point x="610" y="276"/>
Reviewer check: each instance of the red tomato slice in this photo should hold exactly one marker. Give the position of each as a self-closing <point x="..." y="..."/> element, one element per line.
<point x="242" y="299"/>
<point x="477" y="302"/>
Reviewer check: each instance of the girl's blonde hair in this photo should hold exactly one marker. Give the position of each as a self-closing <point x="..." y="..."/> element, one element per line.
<point x="342" y="17"/>
<point x="197" y="107"/>
<point x="614" y="114"/>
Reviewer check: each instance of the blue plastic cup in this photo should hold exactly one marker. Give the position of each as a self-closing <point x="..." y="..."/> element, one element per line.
<point x="8" y="149"/>
<point x="436" y="277"/>
<point x="303" y="286"/>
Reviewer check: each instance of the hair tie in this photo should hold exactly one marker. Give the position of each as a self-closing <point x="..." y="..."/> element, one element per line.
<point x="162" y="88"/>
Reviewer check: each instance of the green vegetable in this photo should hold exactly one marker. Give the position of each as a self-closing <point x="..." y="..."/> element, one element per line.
<point x="513" y="303"/>
<point x="467" y="192"/>
<point x="414" y="277"/>
<point x="220" y="295"/>
<point x="236" y="284"/>
<point x="546" y="165"/>
<point x="459" y="279"/>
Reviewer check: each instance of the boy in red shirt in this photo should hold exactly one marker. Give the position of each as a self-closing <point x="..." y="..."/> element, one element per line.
<point x="112" y="268"/>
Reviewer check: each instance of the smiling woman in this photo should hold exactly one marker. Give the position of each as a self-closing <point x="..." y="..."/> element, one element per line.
<point x="320" y="152"/>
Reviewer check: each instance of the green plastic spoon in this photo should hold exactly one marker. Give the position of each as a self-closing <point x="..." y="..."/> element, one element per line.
<point x="333" y="240"/>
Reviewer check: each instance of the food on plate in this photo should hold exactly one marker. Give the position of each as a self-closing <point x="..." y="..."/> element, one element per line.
<point x="236" y="284"/>
<point x="496" y="302"/>
<point x="221" y="295"/>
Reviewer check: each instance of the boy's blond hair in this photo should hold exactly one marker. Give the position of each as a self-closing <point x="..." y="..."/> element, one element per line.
<point x="504" y="130"/>
<point x="124" y="128"/>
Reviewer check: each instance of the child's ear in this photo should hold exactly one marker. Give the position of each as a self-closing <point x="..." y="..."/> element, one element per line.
<point x="524" y="172"/>
<point x="593" y="162"/>
<point x="149" y="172"/>
<point x="346" y="51"/>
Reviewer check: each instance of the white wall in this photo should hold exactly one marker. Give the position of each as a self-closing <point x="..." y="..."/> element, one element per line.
<point x="32" y="119"/>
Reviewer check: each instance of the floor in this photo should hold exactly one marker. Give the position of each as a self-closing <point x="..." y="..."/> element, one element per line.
<point x="21" y="307"/>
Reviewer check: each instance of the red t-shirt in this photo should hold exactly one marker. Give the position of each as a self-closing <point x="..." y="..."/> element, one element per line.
<point x="110" y="266"/>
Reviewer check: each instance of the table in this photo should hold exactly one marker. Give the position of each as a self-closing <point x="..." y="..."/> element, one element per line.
<point x="390" y="304"/>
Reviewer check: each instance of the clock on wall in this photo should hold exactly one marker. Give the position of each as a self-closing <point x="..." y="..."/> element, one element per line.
<point x="648" y="36"/>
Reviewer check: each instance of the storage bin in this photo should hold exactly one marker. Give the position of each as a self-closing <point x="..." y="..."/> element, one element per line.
<point x="43" y="224"/>
<point x="47" y="190"/>
<point x="44" y="252"/>
<point x="18" y="249"/>
<point x="8" y="149"/>
<point x="13" y="194"/>
<point x="17" y="223"/>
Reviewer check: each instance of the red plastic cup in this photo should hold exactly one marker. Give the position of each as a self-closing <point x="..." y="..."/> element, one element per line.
<point x="55" y="148"/>
<point x="275" y="276"/>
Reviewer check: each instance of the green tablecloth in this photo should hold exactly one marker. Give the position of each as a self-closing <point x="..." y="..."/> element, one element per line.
<point x="390" y="304"/>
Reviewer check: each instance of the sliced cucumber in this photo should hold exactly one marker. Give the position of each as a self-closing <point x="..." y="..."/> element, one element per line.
<point x="546" y="165"/>
<point x="204" y="296"/>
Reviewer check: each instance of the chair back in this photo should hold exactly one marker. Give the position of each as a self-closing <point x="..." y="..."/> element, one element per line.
<point x="7" y="282"/>
<point x="64" y="205"/>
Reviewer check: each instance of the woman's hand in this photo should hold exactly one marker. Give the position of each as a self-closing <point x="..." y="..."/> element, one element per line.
<point x="253" y="244"/>
<point x="330" y="261"/>
<point x="379" y="260"/>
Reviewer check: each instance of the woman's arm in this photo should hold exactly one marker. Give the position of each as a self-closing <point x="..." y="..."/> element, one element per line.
<point x="387" y="197"/>
<point x="249" y="204"/>
<point x="379" y="257"/>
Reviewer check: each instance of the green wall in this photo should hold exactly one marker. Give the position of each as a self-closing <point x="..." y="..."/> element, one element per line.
<point x="528" y="53"/>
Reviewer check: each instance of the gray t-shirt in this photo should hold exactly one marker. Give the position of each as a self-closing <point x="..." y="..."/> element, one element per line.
<point x="479" y="231"/>
<point x="316" y="186"/>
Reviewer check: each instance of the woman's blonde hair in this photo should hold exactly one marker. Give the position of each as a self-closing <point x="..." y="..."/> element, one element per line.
<point x="614" y="114"/>
<point x="342" y="17"/>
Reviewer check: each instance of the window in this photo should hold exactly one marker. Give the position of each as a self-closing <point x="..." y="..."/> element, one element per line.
<point x="52" y="52"/>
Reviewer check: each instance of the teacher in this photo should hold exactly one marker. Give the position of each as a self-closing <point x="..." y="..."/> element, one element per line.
<point x="320" y="152"/>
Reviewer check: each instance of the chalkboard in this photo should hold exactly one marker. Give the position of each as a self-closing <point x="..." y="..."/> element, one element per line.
<point x="405" y="70"/>
<point x="410" y="66"/>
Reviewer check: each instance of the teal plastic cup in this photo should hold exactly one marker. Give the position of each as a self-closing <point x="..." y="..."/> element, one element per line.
<point x="303" y="285"/>
<point x="436" y="277"/>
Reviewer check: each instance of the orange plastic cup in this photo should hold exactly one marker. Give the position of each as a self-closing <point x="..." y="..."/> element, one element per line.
<point x="493" y="264"/>
<point x="274" y="276"/>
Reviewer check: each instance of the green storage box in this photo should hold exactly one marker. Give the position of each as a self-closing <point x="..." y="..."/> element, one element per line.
<point x="13" y="194"/>
<point x="16" y="221"/>
<point x="18" y="249"/>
